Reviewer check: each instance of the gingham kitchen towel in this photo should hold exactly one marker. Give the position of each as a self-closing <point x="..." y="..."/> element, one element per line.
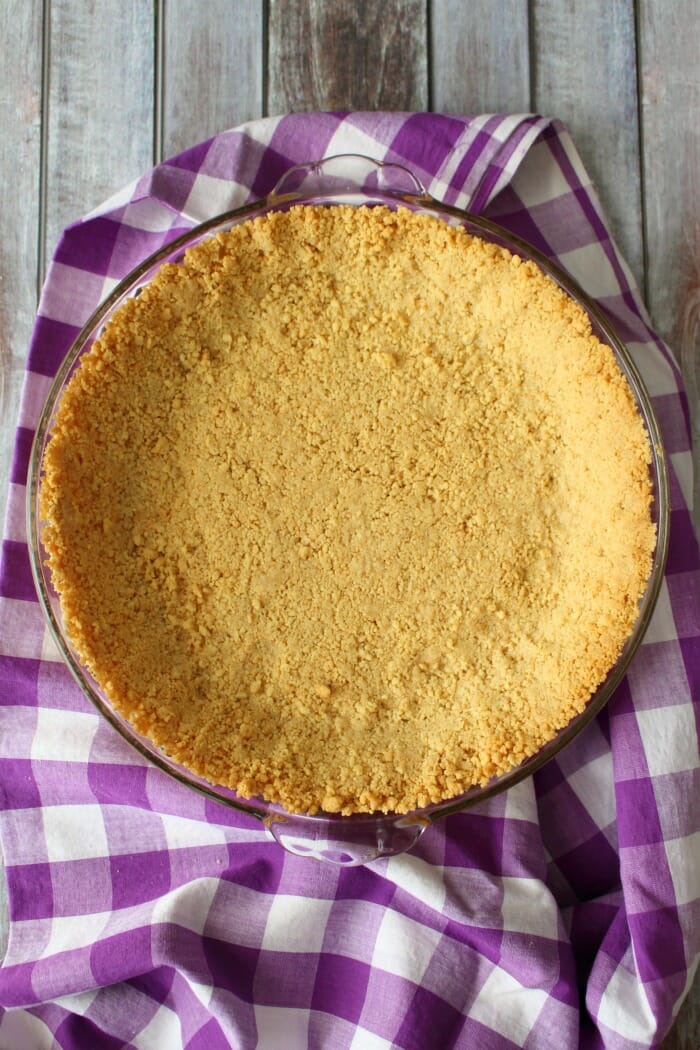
<point x="562" y="913"/>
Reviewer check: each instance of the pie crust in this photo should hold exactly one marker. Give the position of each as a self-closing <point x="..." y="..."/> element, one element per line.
<point x="350" y="510"/>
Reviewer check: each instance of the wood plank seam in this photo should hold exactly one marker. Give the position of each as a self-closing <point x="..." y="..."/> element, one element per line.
<point x="159" y="86"/>
<point x="640" y="155"/>
<point x="43" y="143"/>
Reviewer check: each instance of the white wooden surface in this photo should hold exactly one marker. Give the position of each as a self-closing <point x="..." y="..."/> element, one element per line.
<point x="479" y="53"/>
<point x="92" y="92"/>
<point x="597" y="100"/>
<point x="99" y="104"/>
<point x="669" y="49"/>
<point x="212" y="69"/>
<point x="20" y="158"/>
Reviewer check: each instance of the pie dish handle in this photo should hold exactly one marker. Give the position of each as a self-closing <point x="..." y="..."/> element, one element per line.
<point x="345" y="845"/>
<point x="347" y="174"/>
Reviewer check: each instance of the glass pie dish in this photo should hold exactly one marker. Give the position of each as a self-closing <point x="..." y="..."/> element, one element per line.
<point x="353" y="180"/>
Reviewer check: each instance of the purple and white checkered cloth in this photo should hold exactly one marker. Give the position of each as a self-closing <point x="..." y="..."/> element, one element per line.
<point x="562" y="913"/>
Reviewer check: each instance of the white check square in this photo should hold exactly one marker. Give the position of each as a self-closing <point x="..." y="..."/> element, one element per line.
<point x="36" y="388"/>
<point x="591" y="268"/>
<point x="181" y="832"/>
<point x="187" y="906"/>
<point x="79" y="1003"/>
<point x="296" y="924"/>
<point x="624" y="1008"/>
<point x="21" y="629"/>
<point x="74" y="833"/>
<point x="286" y="1027"/>
<point x="593" y="786"/>
<point x="682" y="463"/>
<point x="364" y="1040"/>
<point x="49" y="649"/>
<point x="16" y="514"/>
<point x="20" y="1029"/>
<point x="59" y="300"/>
<point x="404" y="947"/>
<point x="521" y="802"/>
<point x="69" y="932"/>
<point x="64" y="736"/>
<point x="505" y="1006"/>
<point x="528" y="907"/>
<point x="670" y="739"/>
<point x="164" y="1029"/>
<point x="538" y="181"/>
<point x="209" y="196"/>
<point x="662" y="627"/>
<point x="684" y="862"/>
<point x="655" y="370"/>
<point x="425" y="882"/>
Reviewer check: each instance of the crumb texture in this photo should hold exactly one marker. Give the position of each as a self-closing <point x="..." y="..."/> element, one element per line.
<point x="349" y="510"/>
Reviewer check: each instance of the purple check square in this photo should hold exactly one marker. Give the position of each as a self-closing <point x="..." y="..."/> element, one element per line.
<point x="473" y="1033"/>
<point x="139" y="877"/>
<point x="474" y="842"/>
<point x="517" y="220"/>
<point x="681" y="540"/>
<point x="426" y="141"/>
<point x="30" y="891"/>
<point x="89" y="245"/>
<point x="385" y="988"/>
<point x="25" y="790"/>
<point x="121" y="956"/>
<point x="232" y="967"/>
<point x="340" y="986"/>
<point x="76" y="1031"/>
<point x="285" y="979"/>
<point x="677" y="797"/>
<point x="592" y="868"/>
<point x="133" y="245"/>
<point x="299" y="143"/>
<point x="364" y="884"/>
<point x="17" y="575"/>
<point x="658" y="926"/>
<point x="24" y="676"/>
<point x="485" y="941"/>
<point x="257" y="865"/>
<point x="156" y="984"/>
<point x="59" y="789"/>
<point x="20" y="460"/>
<point x="193" y="159"/>
<point x="682" y="591"/>
<point x="209" y="1037"/>
<point x="670" y="413"/>
<point x="430" y="1021"/>
<point x="81" y="887"/>
<point x="637" y="816"/>
<point x="118" y="783"/>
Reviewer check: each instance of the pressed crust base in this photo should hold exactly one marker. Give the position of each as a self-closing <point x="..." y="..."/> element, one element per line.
<point x="350" y="510"/>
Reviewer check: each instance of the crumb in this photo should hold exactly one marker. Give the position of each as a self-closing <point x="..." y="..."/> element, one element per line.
<point x="349" y="510"/>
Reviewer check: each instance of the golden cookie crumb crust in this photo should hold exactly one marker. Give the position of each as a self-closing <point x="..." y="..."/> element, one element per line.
<point x="350" y="510"/>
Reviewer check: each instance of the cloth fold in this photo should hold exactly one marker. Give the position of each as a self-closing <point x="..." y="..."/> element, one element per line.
<point x="564" y="912"/>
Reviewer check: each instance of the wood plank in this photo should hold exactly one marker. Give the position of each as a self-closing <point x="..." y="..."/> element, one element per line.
<point x="597" y="100"/>
<point x="339" y="54"/>
<point x="20" y="162"/>
<point x="669" y="45"/>
<point x="479" y="56"/>
<point x="212" y="69"/>
<point x="20" y="119"/>
<point x="100" y="125"/>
